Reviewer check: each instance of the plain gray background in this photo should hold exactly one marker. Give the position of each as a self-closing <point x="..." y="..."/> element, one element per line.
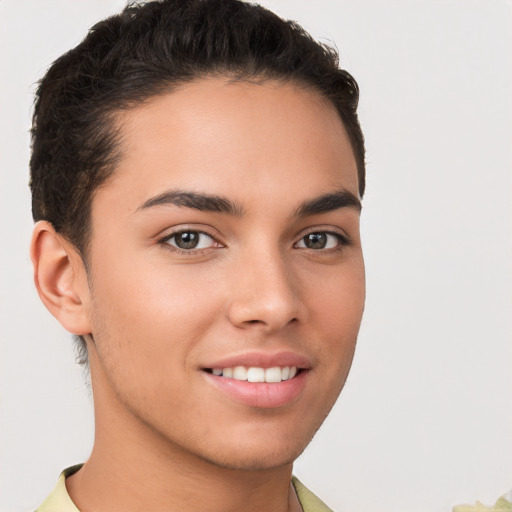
<point x="425" y="419"/>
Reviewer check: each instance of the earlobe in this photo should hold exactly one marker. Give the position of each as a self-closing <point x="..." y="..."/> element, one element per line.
<point x="60" y="278"/>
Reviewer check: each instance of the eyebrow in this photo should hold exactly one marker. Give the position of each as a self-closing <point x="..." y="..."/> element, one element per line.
<point x="213" y="203"/>
<point x="328" y="203"/>
<point x="202" y="202"/>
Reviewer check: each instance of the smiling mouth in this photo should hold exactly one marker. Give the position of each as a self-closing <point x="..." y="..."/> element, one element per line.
<point x="257" y="374"/>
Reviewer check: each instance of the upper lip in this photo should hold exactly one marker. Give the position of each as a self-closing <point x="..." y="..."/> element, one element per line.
<point x="261" y="360"/>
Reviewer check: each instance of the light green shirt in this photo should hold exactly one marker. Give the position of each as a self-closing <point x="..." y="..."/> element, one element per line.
<point x="59" y="500"/>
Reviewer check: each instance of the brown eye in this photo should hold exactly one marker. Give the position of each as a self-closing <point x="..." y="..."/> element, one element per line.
<point x="188" y="240"/>
<point x="315" y="241"/>
<point x="321" y="240"/>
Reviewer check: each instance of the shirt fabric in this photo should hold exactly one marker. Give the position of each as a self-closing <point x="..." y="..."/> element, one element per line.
<point x="59" y="500"/>
<point x="504" y="504"/>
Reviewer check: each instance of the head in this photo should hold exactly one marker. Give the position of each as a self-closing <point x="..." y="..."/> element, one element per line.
<point x="110" y="118"/>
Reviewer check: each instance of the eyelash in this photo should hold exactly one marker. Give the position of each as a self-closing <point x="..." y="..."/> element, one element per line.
<point x="342" y="241"/>
<point x="167" y="238"/>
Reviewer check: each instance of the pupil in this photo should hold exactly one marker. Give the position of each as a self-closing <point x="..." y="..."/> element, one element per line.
<point x="316" y="240"/>
<point x="187" y="240"/>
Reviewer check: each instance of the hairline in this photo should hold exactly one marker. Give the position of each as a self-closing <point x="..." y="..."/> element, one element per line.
<point x="113" y="120"/>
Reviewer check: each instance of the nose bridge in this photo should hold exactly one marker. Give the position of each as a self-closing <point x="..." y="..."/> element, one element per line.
<point x="264" y="291"/>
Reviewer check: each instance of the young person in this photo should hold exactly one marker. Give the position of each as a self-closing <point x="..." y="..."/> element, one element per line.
<point x="197" y="170"/>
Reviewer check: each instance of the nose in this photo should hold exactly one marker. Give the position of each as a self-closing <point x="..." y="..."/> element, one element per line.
<point x="265" y="294"/>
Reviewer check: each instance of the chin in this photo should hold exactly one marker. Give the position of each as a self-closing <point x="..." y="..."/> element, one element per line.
<point x="256" y="453"/>
<point x="253" y="462"/>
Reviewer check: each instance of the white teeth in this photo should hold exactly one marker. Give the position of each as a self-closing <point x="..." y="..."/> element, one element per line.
<point x="240" y="373"/>
<point x="273" y="374"/>
<point x="257" y="374"/>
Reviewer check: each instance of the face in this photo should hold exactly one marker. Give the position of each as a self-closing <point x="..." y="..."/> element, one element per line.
<point x="226" y="272"/>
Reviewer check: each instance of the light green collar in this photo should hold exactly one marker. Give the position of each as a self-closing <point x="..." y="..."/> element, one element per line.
<point x="59" y="500"/>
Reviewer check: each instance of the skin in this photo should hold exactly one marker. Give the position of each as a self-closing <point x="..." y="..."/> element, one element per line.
<point x="158" y="316"/>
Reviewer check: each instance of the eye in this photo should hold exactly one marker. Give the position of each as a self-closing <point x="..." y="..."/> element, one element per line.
<point x="189" y="240"/>
<point x="321" y="240"/>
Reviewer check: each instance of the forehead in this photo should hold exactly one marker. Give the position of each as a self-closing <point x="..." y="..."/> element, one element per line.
<point x="234" y="138"/>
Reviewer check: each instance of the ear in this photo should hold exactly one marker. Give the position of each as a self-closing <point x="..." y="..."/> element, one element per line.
<point x="60" y="278"/>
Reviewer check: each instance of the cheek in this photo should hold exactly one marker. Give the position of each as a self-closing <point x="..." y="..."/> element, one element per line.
<point x="148" y="332"/>
<point x="151" y="310"/>
<point x="336" y="312"/>
<point x="339" y="301"/>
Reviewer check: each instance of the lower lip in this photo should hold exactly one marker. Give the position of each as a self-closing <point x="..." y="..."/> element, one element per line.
<point x="260" y="394"/>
